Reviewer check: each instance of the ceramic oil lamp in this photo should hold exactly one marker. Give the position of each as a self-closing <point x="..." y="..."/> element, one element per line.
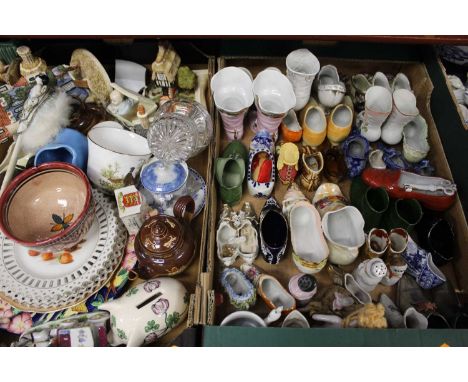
<point x="164" y="244"/>
<point x="288" y="162"/>
<point x="311" y="168"/>
<point x="369" y="273"/>
<point x="376" y="243"/>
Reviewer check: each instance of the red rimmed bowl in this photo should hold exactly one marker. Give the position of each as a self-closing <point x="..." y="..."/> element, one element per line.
<point x="47" y="208"/>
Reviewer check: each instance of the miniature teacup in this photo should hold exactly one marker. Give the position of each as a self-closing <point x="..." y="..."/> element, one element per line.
<point x="377" y="242"/>
<point x="377" y="108"/>
<point x="302" y="67"/>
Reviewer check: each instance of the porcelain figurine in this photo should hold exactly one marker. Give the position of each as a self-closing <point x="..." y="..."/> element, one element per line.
<point x="69" y="146"/>
<point x="274" y="97"/>
<point x="377" y="243"/>
<point x="250" y="319"/>
<point x="288" y="162"/>
<point x="164" y="244"/>
<point x="339" y="124"/>
<point x="274" y="232"/>
<point x="311" y="168"/>
<point x="120" y="105"/>
<point x="301" y="68"/>
<point x="356" y="290"/>
<point x="240" y="290"/>
<point x="147" y="311"/>
<point x="401" y="81"/>
<point x="328" y="197"/>
<point x="404" y="111"/>
<point x="295" y="319"/>
<point x="270" y="289"/>
<point x="330" y="89"/>
<point x="378" y="106"/>
<point x="376" y="159"/>
<point x="314" y="124"/>
<point x="227" y="239"/>
<point x="344" y="231"/>
<point x="303" y="288"/>
<point x="164" y="67"/>
<point x="291" y="130"/>
<point x="422" y="267"/>
<point x="334" y="168"/>
<point x="261" y="167"/>
<point x="30" y="65"/>
<point x="356" y="152"/>
<point x="415" y="145"/>
<point x="232" y="89"/>
<point x="434" y="193"/>
<point x="369" y="273"/>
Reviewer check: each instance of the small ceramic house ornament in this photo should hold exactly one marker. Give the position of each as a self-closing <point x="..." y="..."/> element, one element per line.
<point x="30" y="66"/>
<point x="165" y="66"/>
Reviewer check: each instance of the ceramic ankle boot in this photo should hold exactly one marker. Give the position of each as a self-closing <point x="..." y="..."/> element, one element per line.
<point x="291" y="130"/>
<point x="233" y="124"/>
<point x="369" y="273"/>
<point x="288" y="162"/>
<point x="314" y="124"/>
<point x="312" y="166"/>
<point x="377" y="243"/>
<point x="415" y="145"/>
<point x="339" y="124"/>
<point x="404" y="111"/>
<point x="261" y="166"/>
<point x="378" y="107"/>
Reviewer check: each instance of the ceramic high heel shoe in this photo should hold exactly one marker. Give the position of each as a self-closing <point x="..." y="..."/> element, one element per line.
<point x="240" y="290"/>
<point x="311" y="168"/>
<point x="288" y="162"/>
<point x="415" y="145"/>
<point x="261" y="167"/>
<point x="331" y="90"/>
<point x="339" y="124"/>
<point x="314" y="124"/>
<point x="378" y="106"/>
<point x="274" y="232"/>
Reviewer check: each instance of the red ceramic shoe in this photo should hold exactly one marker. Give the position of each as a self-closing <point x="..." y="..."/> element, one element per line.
<point x="434" y="193"/>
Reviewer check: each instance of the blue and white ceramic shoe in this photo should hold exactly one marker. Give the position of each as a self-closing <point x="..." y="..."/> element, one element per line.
<point x="261" y="169"/>
<point x="421" y="266"/>
<point x="356" y="153"/>
<point x="274" y="231"/>
<point x="240" y="290"/>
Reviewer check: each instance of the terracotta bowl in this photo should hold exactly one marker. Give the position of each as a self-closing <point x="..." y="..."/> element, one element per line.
<point x="49" y="207"/>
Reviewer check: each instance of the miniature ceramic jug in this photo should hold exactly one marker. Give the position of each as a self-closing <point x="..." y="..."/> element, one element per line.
<point x="312" y="167"/>
<point x="377" y="108"/>
<point x="164" y="244"/>
<point x="302" y="67"/>
<point x="147" y="311"/>
<point x="404" y="111"/>
<point x="288" y="163"/>
<point x="232" y="89"/>
<point x="369" y="273"/>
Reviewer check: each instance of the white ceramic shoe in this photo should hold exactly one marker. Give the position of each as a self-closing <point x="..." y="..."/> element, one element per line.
<point x="414" y="320"/>
<point x="330" y="89"/>
<point x="378" y="106"/>
<point x="355" y="289"/>
<point x="415" y="145"/>
<point x="295" y="319"/>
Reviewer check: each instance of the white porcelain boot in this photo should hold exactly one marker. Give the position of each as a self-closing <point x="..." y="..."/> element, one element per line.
<point x="378" y="107"/>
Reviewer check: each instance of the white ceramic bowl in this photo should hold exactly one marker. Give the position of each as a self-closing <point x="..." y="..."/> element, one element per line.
<point x="232" y="89"/>
<point x="274" y="93"/>
<point x="112" y="154"/>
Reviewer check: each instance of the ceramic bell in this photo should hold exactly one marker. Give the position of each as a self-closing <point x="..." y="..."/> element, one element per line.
<point x="147" y="311"/>
<point x="288" y="162"/>
<point x="369" y="273"/>
<point x="311" y="168"/>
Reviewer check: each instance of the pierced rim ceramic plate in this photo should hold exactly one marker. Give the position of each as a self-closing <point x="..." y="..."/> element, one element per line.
<point x="32" y="284"/>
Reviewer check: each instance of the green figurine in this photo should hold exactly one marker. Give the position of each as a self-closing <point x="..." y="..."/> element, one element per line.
<point x="186" y="78"/>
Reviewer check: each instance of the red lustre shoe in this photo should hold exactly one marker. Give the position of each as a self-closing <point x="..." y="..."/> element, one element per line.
<point x="434" y="193"/>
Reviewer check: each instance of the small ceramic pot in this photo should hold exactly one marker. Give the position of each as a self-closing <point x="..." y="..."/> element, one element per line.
<point x="164" y="244"/>
<point x="301" y="68"/>
<point x="404" y="111"/>
<point x="291" y="130"/>
<point x="240" y="290"/>
<point x="47" y="208"/>
<point x="376" y="243"/>
<point x="274" y="232"/>
<point x="339" y="124"/>
<point x="303" y="288"/>
<point x="344" y="231"/>
<point x="314" y="124"/>
<point x="312" y="167"/>
<point x="403" y="213"/>
<point x="249" y="319"/>
<point x="328" y="197"/>
<point x="331" y="90"/>
<point x="378" y="106"/>
<point x="147" y="311"/>
<point x="261" y="167"/>
<point x="295" y="319"/>
<point x="112" y="154"/>
<point x="288" y="162"/>
<point x="69" y="146"/>
<point x="369" y="273"/>
<point x="422" y="267"/>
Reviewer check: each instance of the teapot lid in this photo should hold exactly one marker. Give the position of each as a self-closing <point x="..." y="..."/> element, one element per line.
<point x="164" y="177"/>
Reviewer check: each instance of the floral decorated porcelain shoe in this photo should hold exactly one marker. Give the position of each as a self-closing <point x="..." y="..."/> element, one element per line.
<point x="356" y="152"/>
<point x="434" y="193"/>
<point x="241" y="292"/>
<point x="288" y="162"/>
<point x="328" y="197"/>
<point x="311" y="168"/>
<point x="274" y="232"/>
<point x="393" y="158"/>
<point x="261" y="167"/>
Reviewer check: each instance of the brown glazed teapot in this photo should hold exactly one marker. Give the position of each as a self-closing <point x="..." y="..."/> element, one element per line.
<point x="164" y="244"/>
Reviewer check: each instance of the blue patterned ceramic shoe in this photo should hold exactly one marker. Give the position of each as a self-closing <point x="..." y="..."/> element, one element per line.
<point x="273" y="232"/>
<point x="261" y="169"/>
<point x="421" y="266"/>
<point x="240" y="290"/>
<point x="356" y="152"/>
<point x="423" y="168"/>
<point x="393" y="158"/>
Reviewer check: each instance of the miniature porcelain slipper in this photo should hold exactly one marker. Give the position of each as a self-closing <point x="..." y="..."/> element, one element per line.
<point x="261" y="168"/>
<point x="240" y="290"/>
<point x="393" y="158"/>
<point x="291" y="197"/>
<point x="401" y="82"/>
<point x="295" y="319"/>
<point x="415" y="145"/>
<point x="328" y="197"/>
<point x="411" y="319"/>
<point x="270" y="289"/>
<point x="339" y="124"/>
<point x="312" y="166"/>
<point x="434" y="193"/>
<point x="273" y="232"/>
<point x="226" y="238"/>
<point x="330" y="89"/>
<point x="356" y="152"/>
<point x="288" y="162"/>
<point x="314" y="124"/>
<point x="344" y="231"/>
<point x="352" y="286"/>
<point x="376" y="159"/>
<point x="291" y="130"/>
